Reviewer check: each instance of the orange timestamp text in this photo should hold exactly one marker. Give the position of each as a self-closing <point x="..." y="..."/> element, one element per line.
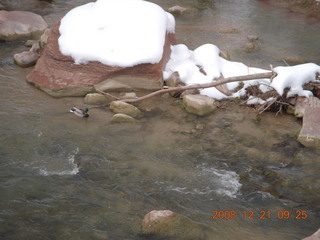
<point x="263" y="214"/>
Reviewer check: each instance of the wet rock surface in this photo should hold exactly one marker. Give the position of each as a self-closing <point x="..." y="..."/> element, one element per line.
<point x="125" y="108"/>
<point x="199" y="104"/>
<point x="310" y="133"/>
<point x="169" y="224"/>
<point x="17" y="25"/>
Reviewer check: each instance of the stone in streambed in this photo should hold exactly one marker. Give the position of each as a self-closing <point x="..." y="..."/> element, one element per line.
<point x="125" y="108"/>
<point x="310" y="133"/>
<point x="17" y="25"/>
<point x="96" y="99"/>
<point x="169" y="224"/>
<point x="315" y="236"/>
<point x="199" y="104"/>
<point x="121" y="117"/>
<point x="26" y="58"/>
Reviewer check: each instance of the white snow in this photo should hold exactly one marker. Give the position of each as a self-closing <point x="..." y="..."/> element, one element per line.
<point x="294" y="77"/>
<point x="120" y="33"/>
<point x="125" y="33"/>
<point x="204" y="65"/>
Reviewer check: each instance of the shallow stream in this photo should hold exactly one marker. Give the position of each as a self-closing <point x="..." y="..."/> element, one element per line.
<point x="63" y="177"/>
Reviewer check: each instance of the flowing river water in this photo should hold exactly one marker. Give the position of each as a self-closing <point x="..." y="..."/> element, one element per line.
<point x="63" y="177"/>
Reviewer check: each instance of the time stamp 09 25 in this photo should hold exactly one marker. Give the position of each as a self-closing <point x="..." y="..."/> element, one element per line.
<point x="263" y="214"/>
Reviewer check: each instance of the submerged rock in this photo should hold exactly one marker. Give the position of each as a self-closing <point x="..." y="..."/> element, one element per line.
<point x="16" y="25"/>
<point x="169" y="224"/>
<point x="125" y="108"/>
<point x="199" y="104"/>
<point x="121" y="117"/>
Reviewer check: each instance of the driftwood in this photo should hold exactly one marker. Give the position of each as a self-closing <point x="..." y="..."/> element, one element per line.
<point x="218" y="82"/>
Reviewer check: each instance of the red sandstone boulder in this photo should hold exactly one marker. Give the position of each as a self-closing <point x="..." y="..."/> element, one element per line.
<point x="20" y="24"/>
<point x="57" y="74"/>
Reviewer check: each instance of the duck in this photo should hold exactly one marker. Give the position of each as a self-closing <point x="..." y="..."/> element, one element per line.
<point x="80" y="112"/>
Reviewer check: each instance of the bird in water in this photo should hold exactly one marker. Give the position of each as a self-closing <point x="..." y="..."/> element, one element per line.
<point x="80" y="112"/>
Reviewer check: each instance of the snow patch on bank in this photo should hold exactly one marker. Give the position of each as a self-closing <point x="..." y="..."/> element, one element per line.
<point x="204" y="64"/>
<point x="120" y="33"/>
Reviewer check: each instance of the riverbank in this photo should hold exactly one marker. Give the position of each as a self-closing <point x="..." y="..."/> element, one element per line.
<point x="309" y="8"/>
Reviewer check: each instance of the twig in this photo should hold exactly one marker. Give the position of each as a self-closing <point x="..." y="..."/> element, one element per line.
<point x="218" y="82"/>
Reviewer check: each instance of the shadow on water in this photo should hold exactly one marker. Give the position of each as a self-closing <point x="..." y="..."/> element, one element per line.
<point x="64" y="177"/>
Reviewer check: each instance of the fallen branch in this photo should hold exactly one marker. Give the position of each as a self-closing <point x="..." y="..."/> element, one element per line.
<point x="218" y="82"/>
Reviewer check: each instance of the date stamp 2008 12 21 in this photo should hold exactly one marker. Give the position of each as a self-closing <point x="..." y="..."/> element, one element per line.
<point x="298" y="215"/>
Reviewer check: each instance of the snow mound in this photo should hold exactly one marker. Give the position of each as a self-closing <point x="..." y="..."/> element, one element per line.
<point x="204" y="65"/>
<point x="119" y="33"/>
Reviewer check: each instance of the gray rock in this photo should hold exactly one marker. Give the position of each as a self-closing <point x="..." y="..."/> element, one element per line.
<point x="26" y="59"/>
<point x="315" y="236"/>
<point x="126" y="108"/>
<point x="199" y="104"/>
<point x="310" y="133"/>
<point x="44" y="37"/>
<point x="128" y="95"/>
<point x="121" y="117"/>
<point x="169" y="224"/>
<point x="96" y="99"/>
<point x="303" y="102"/>
<point x="252" y="38"/>
<point x="20" y="24"/>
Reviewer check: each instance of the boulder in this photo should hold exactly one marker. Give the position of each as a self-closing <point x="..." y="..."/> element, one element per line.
<point x="121" y="117"/>
<point x="96" y="99"/>
<point x="26" y="58"/>
<point x="169" y="224"/>
<point x="125" y="108"/>
<point x="199" y="104"/>
<point x="315" y="236"/>
<point x="17" y="25"/>
<point x="310" y="133"/>
<point x="57" y="74"/>
<point x="303" y="102"/>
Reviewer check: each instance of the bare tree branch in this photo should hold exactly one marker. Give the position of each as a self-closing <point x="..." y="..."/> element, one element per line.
<point x="218" y="82"/>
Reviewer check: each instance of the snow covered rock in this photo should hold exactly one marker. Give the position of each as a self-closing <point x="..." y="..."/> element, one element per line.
<point x="106" y="40"/>
<point x="16" y="25"/>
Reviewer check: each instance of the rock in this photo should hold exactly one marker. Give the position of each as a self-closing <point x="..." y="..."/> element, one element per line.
<point x="252" y="38"/>
<point x="2" y="7"/>
<point x="57" y="74"/>
<point x="310" y="133"/>
<point x="121" y="117"/>
<point x="20" y="24"/>
<point x="177" y="10"/>
<point x="169" y="224"/>
<point x="29" y="43"/>
<point x="128" y="95"/>
<point x="44" y="37"/>
<point x="126" y="108"/>
<point x="96" y="99"/>
<point x="315" y="236"/>
<point x="199" y="104"/>
<point x="250" y="47"/>
<point x="303" y="102"/>
<point x="26" y="58"/>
